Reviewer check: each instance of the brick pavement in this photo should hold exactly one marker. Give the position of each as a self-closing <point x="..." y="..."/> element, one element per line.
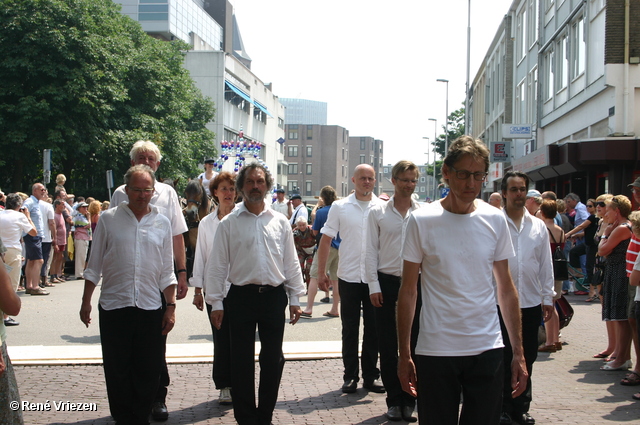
<point x="568" y="388"/>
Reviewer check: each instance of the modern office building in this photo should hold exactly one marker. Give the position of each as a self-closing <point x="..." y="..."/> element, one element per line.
<point x="303" y="111"/>
<point x="221" y="69"/>
<point x="559" y="88"/>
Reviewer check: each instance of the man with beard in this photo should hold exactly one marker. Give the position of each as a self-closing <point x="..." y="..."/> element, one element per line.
<point x="254" y="250"/>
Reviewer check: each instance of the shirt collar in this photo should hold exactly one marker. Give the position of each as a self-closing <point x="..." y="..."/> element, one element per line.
<point x="242" y="208"/>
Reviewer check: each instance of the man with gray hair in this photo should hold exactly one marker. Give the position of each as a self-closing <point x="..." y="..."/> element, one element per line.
<point x="132" y="253"/>
<point x="164" y="196"/>
<point x="255" y="252"/>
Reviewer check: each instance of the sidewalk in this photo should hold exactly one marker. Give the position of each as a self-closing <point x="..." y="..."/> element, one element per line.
<point x="568" y="387"/>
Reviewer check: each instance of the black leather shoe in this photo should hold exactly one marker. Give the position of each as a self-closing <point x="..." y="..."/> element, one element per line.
<point x="350" y="386"/>
<point x="407" y="414"/>
<point x="374" y="386"/>
<point x="527" y="419"/>
<point x="159" y="411"/>
<point x="505" y="419"/>
<point x="394" y="413"/>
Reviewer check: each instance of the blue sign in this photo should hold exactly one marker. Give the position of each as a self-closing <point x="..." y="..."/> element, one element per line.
<point x="444" y="191"/>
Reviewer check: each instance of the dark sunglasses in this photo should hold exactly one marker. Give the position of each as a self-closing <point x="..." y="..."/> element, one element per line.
<point x="600" y="204"/>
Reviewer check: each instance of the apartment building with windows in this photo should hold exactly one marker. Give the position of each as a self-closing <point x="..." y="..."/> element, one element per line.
<point x="366" y="150"/>
<point x="221" y="69"/>
<point x="570" y="70"/>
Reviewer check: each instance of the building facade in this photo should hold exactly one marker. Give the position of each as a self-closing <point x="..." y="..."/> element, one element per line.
<point x="366" y="150"/>
<point x="568" y="70"/>
<point x="304" y="111"/>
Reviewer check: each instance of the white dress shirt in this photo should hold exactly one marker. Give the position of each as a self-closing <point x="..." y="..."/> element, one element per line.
<point x="386" y="232"/>
<point x="532" y="267"/>
<point x="134" y="258"/>
<point x="164" y="197"/>
<point x="300" y="211"/>
<point x="206" y="234"/>
<point x="13" y="225"/>
<point x="347" y="217"/>
<point x="281" y="207"/>
<point x="253" y="249"/>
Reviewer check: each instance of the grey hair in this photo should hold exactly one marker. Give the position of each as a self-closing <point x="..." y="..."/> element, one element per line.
<point x="145" y="146"/>
<point x="573" y="197"/>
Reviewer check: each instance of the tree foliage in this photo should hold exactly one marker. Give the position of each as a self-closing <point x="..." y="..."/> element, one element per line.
<point x="80" y="78"/>
<point x="456" y="129"/>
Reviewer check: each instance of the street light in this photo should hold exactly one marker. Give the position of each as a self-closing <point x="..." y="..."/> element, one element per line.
<point x="428" y="156"/>
<point x="435" y="138"/>
<point x="446" y="122"/>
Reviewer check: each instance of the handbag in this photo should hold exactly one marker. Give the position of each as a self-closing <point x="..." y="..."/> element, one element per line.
<point x="565" y="311"/>
<point x="598" y="271"/>
<point x="560" y="262"/>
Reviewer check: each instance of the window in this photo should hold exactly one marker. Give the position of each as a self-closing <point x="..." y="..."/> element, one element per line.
<point x="307" y="189"/>
<point x="533" y="22"/>
<point x="309" y="132"/>
<point x="292" y="185"/>
<point x="532" y="95"/>
<point x="386" y="170"/>
<point x="521" y="34"/>
<point x="280" y="123"/>
<point x="562" y="64"/>
<point x="363" y="144"/>
<point x="293" y="132"/>
<point x="422" y="179"/>
<point x="292" y="150"/>
<point x="308" y="169"/>
<point x="548" y="88"/>
<point x="309" y="151"/>
<point x="520" y="104"/>
<point x="292" y="169"/>
<point x="422" y="189"/>
<point x="578" y="48"/>
<point x="342" y="153"/>
<point x="361" y="159"/>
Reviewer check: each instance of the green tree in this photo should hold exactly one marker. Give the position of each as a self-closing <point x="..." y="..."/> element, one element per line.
<point x="456" y="129"/>
<point x="80" y="78"/>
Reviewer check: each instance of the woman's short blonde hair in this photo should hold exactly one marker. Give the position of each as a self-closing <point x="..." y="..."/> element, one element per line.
<point x="61" y="179"/>
<point x="634" y="218"/>
<point x="622" y="204"/>
<point x="95" y="207"/>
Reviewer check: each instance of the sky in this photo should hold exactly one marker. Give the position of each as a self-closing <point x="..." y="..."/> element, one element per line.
<point x="375" y="63"/>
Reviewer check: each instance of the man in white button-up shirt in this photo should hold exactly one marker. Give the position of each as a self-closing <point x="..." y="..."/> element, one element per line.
<point x="532" y="273"/>
<point x="387" y="226"/>
<point x="132" y="252"/>
<point x="349" y="217"/>
<point x="254" y="251"/>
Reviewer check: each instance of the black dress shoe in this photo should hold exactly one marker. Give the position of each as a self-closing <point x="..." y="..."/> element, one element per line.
<point x="505" y="419"/>
<point x="527" y="419"/>
<point x="394" y="413"/>
<point x="159" y="411"/>
<point x="374" y="386"/>
<point x="350" y="386"/>
<point x="407" y="414"/>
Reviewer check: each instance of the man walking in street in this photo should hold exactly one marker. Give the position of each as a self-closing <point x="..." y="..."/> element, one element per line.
<point x="299" y="209"/>
<point x="281" y="205"/>
<point x="387" y="225"/>
<point x="132" y="253"/>
<point x="349" y="217"/>
<point x="254" y="250"/>
<point x="532" y="273"/>
<point x="458" y="244"/>
<point x="33" y="244"/>
<point x="164" y="196"/>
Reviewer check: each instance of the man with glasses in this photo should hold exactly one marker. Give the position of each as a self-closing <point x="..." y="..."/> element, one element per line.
<point x="132" y="253"/>
<point x="147" y="153"/>
<point x="387" y="225"/>
<point x="458" y="244"/>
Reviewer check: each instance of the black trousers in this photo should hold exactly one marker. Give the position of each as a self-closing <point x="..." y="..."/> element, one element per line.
<point x="221" y="371"/>
<point x="578" y="251"/>
<point x="386" y="328"/>
<point x="248" y="308"/>
<point x="531" y="319"/>
<point x="354" y="298"/>
<point x="441" y="380"/>
<point x="131" y="351"/>
<point x="165" y="380"/>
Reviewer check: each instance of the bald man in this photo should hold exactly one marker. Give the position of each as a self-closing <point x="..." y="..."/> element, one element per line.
<point x="495" y="200"/>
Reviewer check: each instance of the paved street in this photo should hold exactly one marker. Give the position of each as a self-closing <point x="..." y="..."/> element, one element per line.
<point x="568" y="385"/>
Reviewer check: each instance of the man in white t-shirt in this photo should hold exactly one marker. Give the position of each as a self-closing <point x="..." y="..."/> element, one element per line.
<point x="299" y="209"/>
<point x="458" y="244"/>
<point x="281" y="205"/>
<point x="532" y="273"/>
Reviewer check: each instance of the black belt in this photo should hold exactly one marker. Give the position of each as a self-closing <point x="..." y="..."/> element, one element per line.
<point x="260" y="288"/>
<point x="395" y="279"/>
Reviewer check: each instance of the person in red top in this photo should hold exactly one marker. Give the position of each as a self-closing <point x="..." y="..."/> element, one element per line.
<point x="633" y="377"/>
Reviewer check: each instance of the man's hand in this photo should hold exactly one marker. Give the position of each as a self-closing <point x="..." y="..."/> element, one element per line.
<point x="85" y="313"/>
<point x="519" y="375"/>
<point x="294" y="311"/>
<point x="168" y="320"/>
<point x="407" y="375"/>
<point x="216" y="318"/>
<point x="182" y="286"/>
<point x="323" y="282"/>
<point x="198" y="300"/>
<point x="376" y="299"/>
<point x="547" y="312"/>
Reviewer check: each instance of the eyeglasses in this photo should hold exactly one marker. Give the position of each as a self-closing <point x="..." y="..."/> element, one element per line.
<point x="601" y="204"/>
<point x="589" y="206"/>
<point x="142" y="191"/>
<point x="635" y="190"/>
<point x="406" y="181"/>
<point x="464" y="174"/>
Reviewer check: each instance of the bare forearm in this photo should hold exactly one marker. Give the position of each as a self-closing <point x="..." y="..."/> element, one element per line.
<point x="407" y="297"/>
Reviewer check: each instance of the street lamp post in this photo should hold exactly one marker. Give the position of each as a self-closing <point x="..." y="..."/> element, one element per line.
<point x="428" y="156"/>
<point x="446" y="122"/>
<point x="435" y="138"/>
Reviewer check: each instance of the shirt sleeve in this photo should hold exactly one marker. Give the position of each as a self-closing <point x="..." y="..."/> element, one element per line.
<point x="217" y="268"/>
<point x="412" y="249"/>
<point x="332" y="225"/>
<point x="93" y="272"/>
<point x="292" y="272"/>
<point x="504" y="245"/>
<point x="197" y="278"/>
<point x="373" y="248"/>
<point x="546" y="269"/>
<point x="118" y="197"/>
<point x="178" y="223"/>
<point x="168" y="276"/>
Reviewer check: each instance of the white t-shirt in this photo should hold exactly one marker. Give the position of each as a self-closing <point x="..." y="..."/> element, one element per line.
<point x="636" y="266"/>
<point x="205" y="181"/>
<point x="47" y="214"/>
<point x="457" y="251"/>
<point x="12" y="225"/>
